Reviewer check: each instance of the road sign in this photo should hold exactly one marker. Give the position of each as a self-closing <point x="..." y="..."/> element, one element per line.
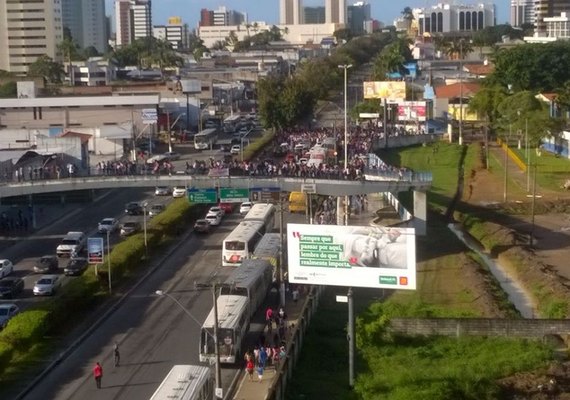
<point x="229" y="195"/>
<point x="149" y="116"/>
<point x="309" y="188"/>
<point x="202" y="196"/>
<point x="95" y="250"/>
<point x="265" y="194"/>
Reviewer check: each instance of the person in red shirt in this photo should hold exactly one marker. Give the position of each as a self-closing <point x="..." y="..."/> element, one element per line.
<point x="98" y="374"/>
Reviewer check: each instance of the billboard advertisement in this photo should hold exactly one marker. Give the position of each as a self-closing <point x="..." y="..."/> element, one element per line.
<point x="412" y="111"/>
<point x="392" y="91"/>
<point x="95" y="250"/>
<point x="359" y="256"/>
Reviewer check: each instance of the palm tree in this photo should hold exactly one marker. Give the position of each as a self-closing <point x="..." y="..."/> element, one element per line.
<point x="408" y="16"/>
<point x="232" y="40"/>
<point x="69" y="50"/>
<point x="247" y="28"/>
<point x="219" y="45"/>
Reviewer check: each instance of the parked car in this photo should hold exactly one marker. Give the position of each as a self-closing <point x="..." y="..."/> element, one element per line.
<point x="72" y="244"/>
<point x="46" y="264"/>
<point x="6" y="268"/>
<point x="76" y="266"/>
<point x="7" y="311"/>
<point x="227" y="207"/>
<point x="162" y="191"/>
<point x="129" y="228"/>
<point x="236" y="148"/>
<point x="155" y="209"/>
<point x="172" y="156"/>
<point x="134" y="208"/>
<point x="214" y="219"/>
<point x="10" y="287"/>
<point x="179" y="191"/>
<point x="216" y="210"/>
<point x="108" y="225"/>
<point x="245" y="207"/>
<point x="202" y="226"/>
<point x="47" y="285"/>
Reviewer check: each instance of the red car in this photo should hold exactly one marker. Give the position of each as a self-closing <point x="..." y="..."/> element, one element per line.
<point x="227" y="207"/>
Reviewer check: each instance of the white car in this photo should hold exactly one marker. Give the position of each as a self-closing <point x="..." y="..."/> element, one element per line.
<point x="47" y="285"/>
<point x="217" y="210"/>
<point x="179" y="191"/>
<point x="6" y="268"/>
<point x="156" y="209"/>
<point x="214" y="219"/>
<point x="245" y="207"/>
<point x="236" y="148"/>
<point x="158" y="158"/>
<point x="108" y="225"/>
<point x="7" y="311"/>
<point x="162" y="191"/>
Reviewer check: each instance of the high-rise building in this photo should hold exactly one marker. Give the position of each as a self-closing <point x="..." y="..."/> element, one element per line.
<point x="335" y="11"/>
<point x="522" y="12"/>
<point x="141" y="18"/>
<point x="175" y="32"/>
<point x="356" y="15"/>
<point x="28" y="31"/>
<point x="123" y="26"/>
<point x="290" y="12"/>
<point x="206" y="17"/>
<point x="224" y="17"/>
<point x="313" y="15"/>
<point x="133" y="20"/>
<point x="86" y="22"/>
<point x="443" y="18"/>
<point x="548" y="8"/>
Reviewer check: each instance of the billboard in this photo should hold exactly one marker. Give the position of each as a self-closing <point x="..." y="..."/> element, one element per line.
<point x="359" y="256"/>
<point x="392" y="91"/>
<point x="95" y="250"/>
<point x="412" y="111"/>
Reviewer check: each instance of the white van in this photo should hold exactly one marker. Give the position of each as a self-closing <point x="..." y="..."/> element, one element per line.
<point x="72" y="243"/>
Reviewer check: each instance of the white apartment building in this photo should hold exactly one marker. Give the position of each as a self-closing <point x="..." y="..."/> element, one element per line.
<point x="557" y="28"/>
<point x="522" y="12"/>
<point x="94" y="72"/>
<point x="212" y="34"/>
<point x="175" y="34"/>
<point x="133" y="20"/>
<point x="141" y="19"/>
<point x="443" y="18"/>
<point x="28" y="30"/>
<point x="86" y="22"/>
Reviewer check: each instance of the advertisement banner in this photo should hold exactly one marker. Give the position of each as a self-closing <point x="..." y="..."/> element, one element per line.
<point x="95" y="250"/>
<point x="359" y="256"/>
<point x="412" y="111"/>
<point x="392" y="91"/>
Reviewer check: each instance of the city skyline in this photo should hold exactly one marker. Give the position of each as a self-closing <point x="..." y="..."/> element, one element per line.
<point x="268" y="11"/>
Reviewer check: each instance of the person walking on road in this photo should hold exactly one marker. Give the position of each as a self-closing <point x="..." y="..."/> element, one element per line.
<point x="98" y="374"/>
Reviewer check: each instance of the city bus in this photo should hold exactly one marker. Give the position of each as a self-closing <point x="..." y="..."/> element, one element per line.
<point x="232" y="123"/>
<point x="206" y="139"/>
<point x="241" y="242"/>
<point x="268" y="249"/>
<point x="263" y="213"/>
<point x="186" y="382"/>
<point x="233" y="324"/>
<point x="252" y="280"/>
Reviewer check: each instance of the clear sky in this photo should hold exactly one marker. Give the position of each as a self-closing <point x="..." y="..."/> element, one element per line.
<point x="268" y="10"/>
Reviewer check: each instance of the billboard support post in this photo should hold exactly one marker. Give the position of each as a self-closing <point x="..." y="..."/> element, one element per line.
<point x="350" y="338"/>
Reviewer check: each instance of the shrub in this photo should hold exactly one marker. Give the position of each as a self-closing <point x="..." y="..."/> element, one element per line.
<point x="25" y="328"/>
<point x="6" y="352"/>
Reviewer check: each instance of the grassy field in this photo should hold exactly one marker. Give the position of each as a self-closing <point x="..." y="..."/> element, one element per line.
<point x="450" y="284"/>
<point x="551" y="171"/>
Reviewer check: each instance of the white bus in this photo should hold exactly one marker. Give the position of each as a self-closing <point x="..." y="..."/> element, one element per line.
<point x="233" y="324"/>
<point x="268" y="249"/>
<point x="232" y="123"/>
<point x="241" y="242"/>
<point x="263" y="213"/>
<point x="252" y="280"/>
<point x="206" y="139"/>
<point x="186" y="382"/>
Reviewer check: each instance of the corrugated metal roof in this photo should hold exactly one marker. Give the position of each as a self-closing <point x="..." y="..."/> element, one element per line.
<point x="87" y="101"/>
<point x="230" y="310"/>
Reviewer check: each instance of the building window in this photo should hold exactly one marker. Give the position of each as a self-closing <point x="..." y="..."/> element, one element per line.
<point x="421" y="23"/>
<point x="428" y="25"/>
<point x="461" y="21"/>
<point x="467" y="21"/>
<point x="474" y="20"/>
<point x="440" y="22"/>
<point x="433" y="22"/>
<point x="481" y="23"/>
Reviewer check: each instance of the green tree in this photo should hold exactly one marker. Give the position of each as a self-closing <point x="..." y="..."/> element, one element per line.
<point x="408" y="16"/>
<point x="268" y="97"/>
<point x="219" y="45"/>
<point x="343" y="35"/>
<point x="44" y="67"/>
<point x="366" y="106"/>
<point x="232" y="40"/>
<point x="486" y="102"/>
<point x="297" y="102"/>
<point x="8" y="90"/>
<point x="391" y="59"/>
<point x="90" y="51"/>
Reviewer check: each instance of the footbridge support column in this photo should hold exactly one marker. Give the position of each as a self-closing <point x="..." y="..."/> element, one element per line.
<point x="420" y="212"/>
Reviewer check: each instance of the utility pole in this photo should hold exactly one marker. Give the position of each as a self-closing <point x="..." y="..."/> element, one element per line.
<point x="282" y="242"/>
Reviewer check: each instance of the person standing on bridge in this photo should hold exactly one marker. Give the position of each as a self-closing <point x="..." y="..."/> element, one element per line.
<point x="98" y="374"/>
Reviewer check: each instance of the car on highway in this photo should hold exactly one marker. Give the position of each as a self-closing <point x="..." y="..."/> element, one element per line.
<point x="245" y="207"/>
<point x="46" y="264"/>
<point x="227" y="207"/>
<point x="216" y="210"/>
<point x="10" y="287"/>
<point x="76" y="266"/>
<point x="202" y="226"/>
<point x="172" y="156"/>
<point x="236" y="148"/>
<point x="6" y="268"/>
<point x="130" y="228"/>
<point x="7" y="312"/>
<point x="155" y="209"/>
<point x="72" y="243"/>
<point x="134" y="208"/>
<point x="162" y="191"/>
<point x="179" y="191"/>
<point x="108" y="225"/>
<point x="214" y="219"/>
<point x="47" y="285"/>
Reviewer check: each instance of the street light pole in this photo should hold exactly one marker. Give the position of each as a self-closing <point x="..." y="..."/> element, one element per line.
<point x="345" y="67"/>
<point x="281" y="258"/>
<point x="109" y="261"/>
<point x="144" y="228"/>
<point x="506" y="165"/>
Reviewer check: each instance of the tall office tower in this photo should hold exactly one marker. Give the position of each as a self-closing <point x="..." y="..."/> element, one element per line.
<point x="206" y="17"/>
<point x="133" y="20"/>
<point x="548" y="8"/>
<point x="123" y="22"/>
<point x="290" y="12"/>
<point x="175" y="32"/>
<point x="141" y="18"/>
<point x="86" y="22"/>
<point x="522" y="12"/>
<point x="335" y="11"/>
<point x="313" y="15"/>
<point x="357" y="15"/>
<point x="28" y="30"/>
<point x="224" y="17"/>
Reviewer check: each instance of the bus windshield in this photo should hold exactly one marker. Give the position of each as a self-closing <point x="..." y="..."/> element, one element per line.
<point x="235" y="245"/>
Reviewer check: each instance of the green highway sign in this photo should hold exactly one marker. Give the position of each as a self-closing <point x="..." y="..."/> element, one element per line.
<point x="229" y="195"/>
<point x="202" y="196"/>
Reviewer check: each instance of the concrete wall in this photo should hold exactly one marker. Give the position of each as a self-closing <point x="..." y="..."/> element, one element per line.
<point x="526" y="328"/>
